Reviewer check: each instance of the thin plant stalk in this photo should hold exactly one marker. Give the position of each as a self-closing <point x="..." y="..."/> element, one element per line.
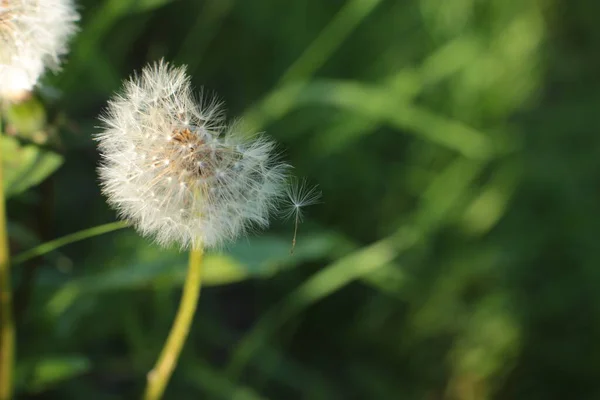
<point x="159" y="377"/>
<point x="52" y="245"/>
<point x="7" y="328"/>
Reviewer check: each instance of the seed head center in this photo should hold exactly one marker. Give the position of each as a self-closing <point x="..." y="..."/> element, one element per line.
<point x="190" y="155"/>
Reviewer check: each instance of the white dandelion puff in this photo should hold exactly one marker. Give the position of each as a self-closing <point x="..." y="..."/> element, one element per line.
<point x="174" y="170"/>
<point x="33" y="37"/>
<point x="299" y="195"/>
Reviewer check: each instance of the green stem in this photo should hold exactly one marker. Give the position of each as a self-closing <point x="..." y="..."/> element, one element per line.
<point x="161" y="373"/>
<point x="52" y="245"/>
<point x="7" y="328"/>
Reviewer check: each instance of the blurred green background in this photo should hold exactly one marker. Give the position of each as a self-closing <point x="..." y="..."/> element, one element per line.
<point x="455" y="254"/>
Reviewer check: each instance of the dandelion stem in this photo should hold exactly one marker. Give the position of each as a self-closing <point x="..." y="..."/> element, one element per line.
<point x="160" y="374"/>
<point x="7" y="329"/>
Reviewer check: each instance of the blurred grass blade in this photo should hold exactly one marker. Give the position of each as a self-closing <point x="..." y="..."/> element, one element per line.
<point x="148" y="5"/>
<point x="39" y="375"/>
<point x="52" y="245"/>
<point x="378" y="103"/>
<point x="404" y="85"/>
<point x="320" y="285"/>
<point x="388" y="279"/>
<point x="202" y="32"/>
<point x="449" y="190"/>
<point x="486" y="209"/>
<point x="344" y="23"/>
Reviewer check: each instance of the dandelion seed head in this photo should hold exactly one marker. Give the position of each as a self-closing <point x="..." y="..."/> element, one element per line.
<point x="192" y="179"/>
<point x="33" y="37"/>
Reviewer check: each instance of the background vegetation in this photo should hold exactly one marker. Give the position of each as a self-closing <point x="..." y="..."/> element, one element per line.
<point x="455" y="255"/>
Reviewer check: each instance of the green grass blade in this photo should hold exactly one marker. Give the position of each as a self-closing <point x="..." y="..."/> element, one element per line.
<point x="52" y="245"/>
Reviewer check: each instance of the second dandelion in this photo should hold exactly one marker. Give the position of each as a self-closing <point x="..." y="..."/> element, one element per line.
<point x="33" y="37"/>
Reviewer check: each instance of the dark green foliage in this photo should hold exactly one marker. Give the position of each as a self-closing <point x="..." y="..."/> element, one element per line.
<point x="454" y="255"/>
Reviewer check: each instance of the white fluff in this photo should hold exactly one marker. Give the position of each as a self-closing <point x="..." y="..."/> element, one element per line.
<point x="33" y="36"/>
<point x="171" y="167"/>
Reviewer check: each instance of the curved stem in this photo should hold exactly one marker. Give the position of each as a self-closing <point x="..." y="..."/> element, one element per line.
<point x="52" y="245"/>
<point x="7" y="329"/>
<point x="161" y="373"/>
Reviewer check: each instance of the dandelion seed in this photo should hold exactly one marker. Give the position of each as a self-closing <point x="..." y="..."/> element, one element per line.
<point x="227" y="184"/>
<point x="33" y="37"/>
<point x="299" y="195"/>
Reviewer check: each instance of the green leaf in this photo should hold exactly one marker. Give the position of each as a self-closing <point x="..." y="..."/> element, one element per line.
<point x="25" y="165"/>
<point x="40" y="374"/>
<point x="259" y="258"/>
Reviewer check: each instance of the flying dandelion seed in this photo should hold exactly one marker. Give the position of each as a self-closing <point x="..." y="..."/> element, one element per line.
<point x="299" y="195"/>
<point x="172" y="167"/>
<point x="33" y="37"/>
